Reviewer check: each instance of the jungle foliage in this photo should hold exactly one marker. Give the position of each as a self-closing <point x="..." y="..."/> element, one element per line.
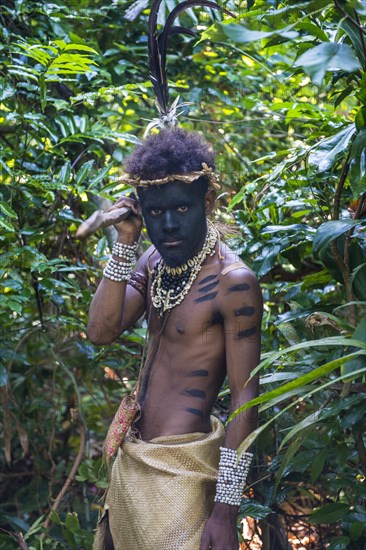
<point x="281" y="94"/>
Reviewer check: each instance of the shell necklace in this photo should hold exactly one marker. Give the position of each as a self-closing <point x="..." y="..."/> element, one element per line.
<point x="170" y="285"/>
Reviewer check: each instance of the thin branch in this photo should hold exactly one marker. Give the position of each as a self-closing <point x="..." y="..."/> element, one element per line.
<point x="22" y="544"/>
<point x="70" y="477"/>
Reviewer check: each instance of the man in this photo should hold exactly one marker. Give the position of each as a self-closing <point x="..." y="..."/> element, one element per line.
<point x="203" y="306"/>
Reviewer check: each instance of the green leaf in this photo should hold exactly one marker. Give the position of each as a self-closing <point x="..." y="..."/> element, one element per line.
<point x="328" y="56"/>
<point x="79" y="47"/>
<point x="99" y="176"/>
<point x="307" y="422"/>
<point x="17" y="523"/>
<point x="313" y="29"/>
<point x="83" y="172"/>
<point x="328" y="231"/>
<point x="55" y="517"/>
<point x="72" y="522"/>
<point x="3" y="376"/>
<point x="6" y="90"/>
<point x="291" y="451"/>
<point x="357" y="173"/>
<point x="249" y="508"/>
<point x="339" y="543"/>
<point x="42" y="92"/>
<point x="15" y="306"/>
<point x="356" y="530"/>
<point x="360" y="119"/>
<point x="240" y="34"/>
<point x="317" y="465"/>
<point x="271" y="357"/>
<point x="329" y="513"/>
<point x="311" y="376"/>
<point x="35" y="528"/>
<point x="249" y="440"/>
<point x="64" y="175"/>
<point x="355" y="364"/>
<point x="328" y="151"/>
<point x="7" y="210"/>
<point x="6" y="224"/>
<point x="356" y="38"/>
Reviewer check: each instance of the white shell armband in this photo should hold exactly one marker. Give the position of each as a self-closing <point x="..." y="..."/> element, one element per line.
<point x="125" y="251"/>
<point x="118" y="271"/>
<point x="232" y="476"/>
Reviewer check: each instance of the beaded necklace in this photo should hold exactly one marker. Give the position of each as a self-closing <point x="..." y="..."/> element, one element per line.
<point x="170" y="285"/>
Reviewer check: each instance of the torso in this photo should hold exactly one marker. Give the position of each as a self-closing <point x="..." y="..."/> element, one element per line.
<point x="187" y="365"/>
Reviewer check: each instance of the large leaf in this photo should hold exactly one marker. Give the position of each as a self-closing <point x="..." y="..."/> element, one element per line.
<point x="358" y="362"/>
<point x="357" y="174"/>
<point x="329" y="513"/>
<point x="240" y="34"/>
<point x="315" y="374"/>
<point x="270" y="358"/>
<point x="253" y="509"/>
<point x="329" y="231"/>
<point x="330" y="150"/>
<point x="328" y="56"/>
<point x="249" y="440"/>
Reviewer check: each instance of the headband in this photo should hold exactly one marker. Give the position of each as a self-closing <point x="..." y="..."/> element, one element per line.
<point x="190" y="177"/>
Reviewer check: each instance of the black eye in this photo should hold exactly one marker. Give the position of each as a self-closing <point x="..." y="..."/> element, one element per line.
<point x="182" y="208"/>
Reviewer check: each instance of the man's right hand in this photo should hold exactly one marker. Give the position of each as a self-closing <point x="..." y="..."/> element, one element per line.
<point x="130" y="228"/>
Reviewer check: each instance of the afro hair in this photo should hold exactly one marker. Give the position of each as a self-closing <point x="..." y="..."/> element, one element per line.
<point x="172" y="151"/>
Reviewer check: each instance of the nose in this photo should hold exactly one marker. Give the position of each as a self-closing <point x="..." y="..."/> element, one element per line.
<point x="169" y="222"/>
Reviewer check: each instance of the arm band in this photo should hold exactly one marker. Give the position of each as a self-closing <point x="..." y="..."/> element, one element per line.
<point x="231" y="476"/>
<point x="139" y="282"/>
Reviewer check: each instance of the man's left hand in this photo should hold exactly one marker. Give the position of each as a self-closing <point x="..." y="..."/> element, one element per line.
<point x="220" y="532"/>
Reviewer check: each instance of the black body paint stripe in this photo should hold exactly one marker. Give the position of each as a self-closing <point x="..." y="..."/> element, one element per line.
<point x="206" y="297"/>
<point x="247" y="332"/>
<point x="239" y="288"/>
<point x="208" y="287"/>
<point x="196" y="393"/>
<point x="201" y="372"/>
<point x="246" y="310"/>
<point x="197" y="412"/>
<point x="207" y="279"/>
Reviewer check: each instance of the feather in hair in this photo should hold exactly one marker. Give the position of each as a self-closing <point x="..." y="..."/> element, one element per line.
<point x="157" y="48"/>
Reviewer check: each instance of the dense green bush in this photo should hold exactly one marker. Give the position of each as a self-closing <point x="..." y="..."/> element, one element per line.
<point x="281" y="94"/>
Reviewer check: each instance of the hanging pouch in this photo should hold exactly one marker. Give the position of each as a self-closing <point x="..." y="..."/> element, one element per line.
<point x="128" y="412"/>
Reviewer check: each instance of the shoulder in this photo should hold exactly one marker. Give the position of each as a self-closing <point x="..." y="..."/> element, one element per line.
<point x="237" y="282"/>
<point x="234" y="269"/>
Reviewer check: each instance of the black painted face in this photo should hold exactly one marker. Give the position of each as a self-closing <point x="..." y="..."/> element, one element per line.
<point x="175" y="219"/>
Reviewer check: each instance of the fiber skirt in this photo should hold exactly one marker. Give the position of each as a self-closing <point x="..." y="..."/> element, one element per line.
<point x="162" y="491"/>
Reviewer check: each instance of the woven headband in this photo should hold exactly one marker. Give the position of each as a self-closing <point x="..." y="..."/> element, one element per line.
<point x="206" y="172"/>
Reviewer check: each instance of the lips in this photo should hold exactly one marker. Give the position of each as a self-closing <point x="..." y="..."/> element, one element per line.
<point x="171" y="244"/>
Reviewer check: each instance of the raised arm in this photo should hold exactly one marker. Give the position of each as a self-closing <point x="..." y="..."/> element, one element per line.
<point x="116" y="305"/>
<point x="241" y="308"/>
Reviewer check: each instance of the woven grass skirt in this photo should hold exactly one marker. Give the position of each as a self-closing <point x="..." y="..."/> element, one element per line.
<point x="162" y="491"/>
